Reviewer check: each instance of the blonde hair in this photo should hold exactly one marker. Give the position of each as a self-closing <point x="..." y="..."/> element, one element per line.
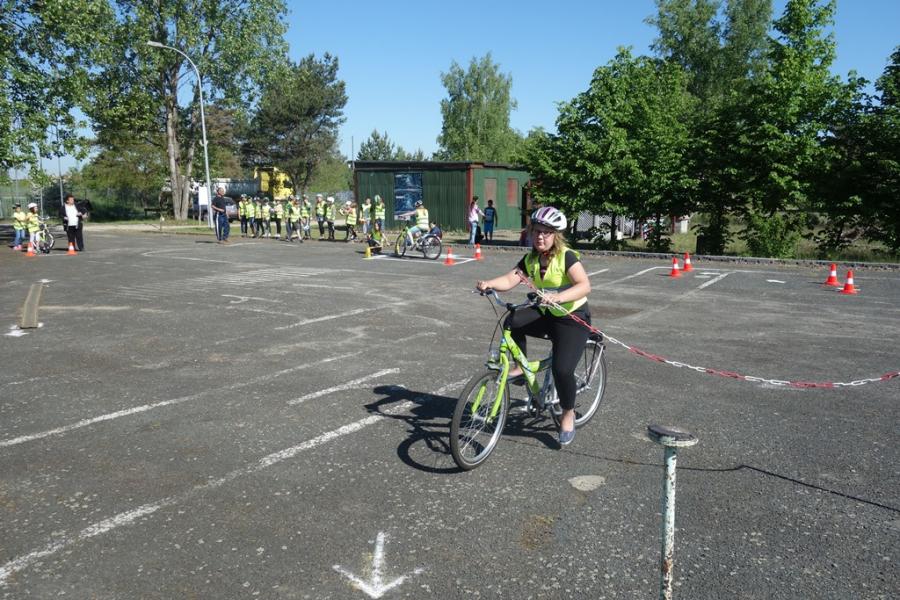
<point x="559" y="243"/>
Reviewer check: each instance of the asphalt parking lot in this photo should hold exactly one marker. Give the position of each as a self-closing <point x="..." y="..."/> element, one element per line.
<point x="264" y="420"/>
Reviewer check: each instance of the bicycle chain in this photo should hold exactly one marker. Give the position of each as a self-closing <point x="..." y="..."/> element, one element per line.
<point x="707" y="370"/>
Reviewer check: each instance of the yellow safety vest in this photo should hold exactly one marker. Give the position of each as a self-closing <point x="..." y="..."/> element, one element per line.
<point x="20" y="218"/>
<point x="351" y="216"/>
<point x="33" y="223"/>
<point x="304" y="209"/>
<point x="379" y="211"/>
<point x="257" y="211"/>
<point x="279" y="210"/>
<point x="422" y="221"/>
<point x="266" y="212"/>
<point x="555" y="279"/>
<point x="320" y="209"/>
<point x="293" y="212"/>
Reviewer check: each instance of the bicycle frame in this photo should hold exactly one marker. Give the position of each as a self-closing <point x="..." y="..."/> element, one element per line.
<point x="530" y="369"/>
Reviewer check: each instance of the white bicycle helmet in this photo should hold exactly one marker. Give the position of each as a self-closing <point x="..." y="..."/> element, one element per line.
<point x="549" y="217"/>
<point x="32" y="205"/>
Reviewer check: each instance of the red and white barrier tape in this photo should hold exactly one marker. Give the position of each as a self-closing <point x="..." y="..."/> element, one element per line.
<point x="707" y="370"/>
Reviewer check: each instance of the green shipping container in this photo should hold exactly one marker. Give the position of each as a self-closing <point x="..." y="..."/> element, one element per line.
<point x="446" y="188"/>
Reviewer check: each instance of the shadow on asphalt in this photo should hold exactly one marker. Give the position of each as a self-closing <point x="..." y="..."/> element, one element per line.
<point x="735" y="469"/>
<point x="429" y="423"/>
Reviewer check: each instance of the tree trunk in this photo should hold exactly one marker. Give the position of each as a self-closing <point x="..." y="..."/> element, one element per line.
<point x="172" y="149"/>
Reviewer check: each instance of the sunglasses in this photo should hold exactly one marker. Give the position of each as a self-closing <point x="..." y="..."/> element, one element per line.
<point x="543" y="232"/>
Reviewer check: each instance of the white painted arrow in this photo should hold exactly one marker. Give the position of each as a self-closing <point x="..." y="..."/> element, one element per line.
<point x="375" y="587"/>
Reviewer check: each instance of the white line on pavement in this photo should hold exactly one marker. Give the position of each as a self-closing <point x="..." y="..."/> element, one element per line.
<point x="343" y="386"/>
<point x="597" y="272"/>
<point x="712" y="281"/>
<point x="147" y="407"/>
<point x="129" y="517"/>
<point x="349" y="313"/>
<point x="638" y="274"/>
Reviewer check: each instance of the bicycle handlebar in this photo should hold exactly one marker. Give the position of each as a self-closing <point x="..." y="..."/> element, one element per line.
<point x="533" y="299"/>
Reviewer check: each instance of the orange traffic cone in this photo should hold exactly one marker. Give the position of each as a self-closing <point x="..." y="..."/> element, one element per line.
<point x="687" y="263"/>
<point x="71" y="251"/>
<point x="832" y="277"/>
<point x="849" y="288"/>
<point x="676" y="271"/>
<point x="449" y="260"/>
<point x="478" y="252"/>
<point x="30" y="250"/>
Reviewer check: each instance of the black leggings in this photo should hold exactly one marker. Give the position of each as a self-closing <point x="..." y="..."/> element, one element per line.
<point x="568" y="338"/>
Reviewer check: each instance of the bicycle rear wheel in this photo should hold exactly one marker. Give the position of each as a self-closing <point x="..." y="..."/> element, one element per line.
<point x="431" y="247"/>
<point x="590" y="375"/>
<point x="401" y="244"/>
<point x="590" y="379"/>
<point x="473" y="433"/>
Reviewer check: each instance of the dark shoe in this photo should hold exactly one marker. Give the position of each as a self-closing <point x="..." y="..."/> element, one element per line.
<point x="566" y="437"/>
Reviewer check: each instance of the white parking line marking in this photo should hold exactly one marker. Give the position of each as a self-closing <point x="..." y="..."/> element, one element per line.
<point x="129" y="517"/>
<point x="775" y="281"/>
<point x="147" y="407"/>
<point x="712" y="281"/>
<point x="349" y="313"/>
<point x="597" y="272"/>
<point x="638" y="274"/>
<point x="343" y="386"/>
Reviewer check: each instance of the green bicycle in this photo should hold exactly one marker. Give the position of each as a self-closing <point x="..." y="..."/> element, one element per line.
<point x="483" y="406"/>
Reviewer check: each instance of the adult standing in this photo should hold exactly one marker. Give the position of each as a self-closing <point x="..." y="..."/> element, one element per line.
<point x="473" y="215"/>
<point x="85" y="208"/>
<point x="72" y="218"/>
<point x="219" y="207"/>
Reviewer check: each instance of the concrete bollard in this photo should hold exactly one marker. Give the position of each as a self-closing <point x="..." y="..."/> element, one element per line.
<point x="671" y="438"/>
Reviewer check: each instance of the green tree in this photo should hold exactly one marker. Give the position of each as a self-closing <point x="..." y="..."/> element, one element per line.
<point x="722" y="50"/>
<point x="621" y="145"/>
<point x="793" y="104"/>
<point x="46" y="49"/>
<point x="476" y="113"/>
<point x="236" y="44"/>
<point x="332" y="175"/>
<point x="378" y="146"/>
<point x="296" y="125"/>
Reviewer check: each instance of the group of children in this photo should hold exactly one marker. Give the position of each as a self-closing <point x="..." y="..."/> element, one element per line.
<point x="259" y="217"/>
<point x="26" y="223"/>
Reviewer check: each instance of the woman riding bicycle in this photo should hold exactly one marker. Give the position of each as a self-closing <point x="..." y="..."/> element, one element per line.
<point x="557" y="271"/>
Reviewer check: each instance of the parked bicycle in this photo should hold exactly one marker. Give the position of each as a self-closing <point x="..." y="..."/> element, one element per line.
<point x="428" y="244"/>
<point x="45" y="239"/>
<point x="483" y="406"/>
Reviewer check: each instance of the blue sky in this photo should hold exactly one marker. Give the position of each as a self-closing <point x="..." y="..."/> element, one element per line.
<point x="392" y="52"/>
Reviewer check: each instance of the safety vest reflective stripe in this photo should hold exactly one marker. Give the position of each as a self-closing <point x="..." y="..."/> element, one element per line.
<point x="555" y="279"/>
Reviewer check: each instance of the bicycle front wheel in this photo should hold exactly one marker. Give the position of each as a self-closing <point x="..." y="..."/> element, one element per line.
<point x="473" y="432"/>
<point x="431" y="247"/>
<point x="400" y="245"/>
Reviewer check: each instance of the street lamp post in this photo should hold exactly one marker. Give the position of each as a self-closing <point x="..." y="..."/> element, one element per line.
<point x="202" y="126"/>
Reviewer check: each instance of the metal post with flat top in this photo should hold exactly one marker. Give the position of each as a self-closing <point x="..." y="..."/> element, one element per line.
<point x="671" y="438"/>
